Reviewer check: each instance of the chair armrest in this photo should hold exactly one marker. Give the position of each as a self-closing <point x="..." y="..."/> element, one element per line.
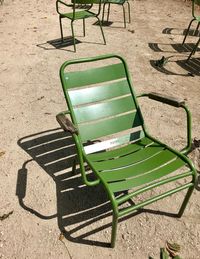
<point x="166" y="99"/>
<point x="176" y="103"/>
<point x="63" y="3"/>
<point x="66" y="124"/>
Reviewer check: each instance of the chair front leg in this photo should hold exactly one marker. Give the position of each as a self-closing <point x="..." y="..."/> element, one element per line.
<point x="72" y="28"/>
<point x="188" y="30"/>
<point x="194" y="49"/>
<point x="84" y="27"/>
<point x="108" y="14"/>
<point x="129" y="12"/>
<point x="61" y="30"/>
<point x="114" y="230"/>
<point x="101" y="30"/>
<point x="197" y="29"/>
<point x="124" y="14"/>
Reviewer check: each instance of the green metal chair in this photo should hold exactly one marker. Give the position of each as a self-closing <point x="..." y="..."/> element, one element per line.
<point x="118" y="2"/>
<point x="112" y="140"/>
<point x="195" y="18"/>
<point x="78" y="15"/>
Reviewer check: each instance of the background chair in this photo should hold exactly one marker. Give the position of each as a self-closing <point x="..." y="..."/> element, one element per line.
<point x="79" y="15"/>
<point x="195" y="18"/>
<point x="118" y="2"/>
<point x="112" y="140"/>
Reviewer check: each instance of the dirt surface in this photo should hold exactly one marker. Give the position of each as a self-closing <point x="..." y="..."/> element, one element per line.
<point x="42" y="198"/>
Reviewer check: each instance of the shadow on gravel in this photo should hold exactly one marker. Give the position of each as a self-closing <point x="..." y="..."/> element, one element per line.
<point x="78" y="206"/>
<point x="59" y="44"/>
<point x="176" y="31"/>
<point x="192" y="67"/>
<point x="178" y="47"/>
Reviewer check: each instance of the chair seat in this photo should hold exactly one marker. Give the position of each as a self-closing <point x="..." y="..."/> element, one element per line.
<point x="78" y="15"/>
<point x="135" y="164"/>
<point x="114" y="1"/>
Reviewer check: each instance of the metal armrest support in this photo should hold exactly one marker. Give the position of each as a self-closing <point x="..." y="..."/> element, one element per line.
<point x="65" y="123"/>
<point x="178" y="104"/>
<point x="61" y="2"/>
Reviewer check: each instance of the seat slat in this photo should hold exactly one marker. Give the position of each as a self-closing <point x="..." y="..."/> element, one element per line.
<point x="103" y="110"/>
<point x="109" y="126"/>
<point x="99" y="93"/>
<point x="147" y="178"/>
<point x="94" y="75"/>
<point x="121" y="151"/>
<point x="138" y="168"/>
<point x="129" y="159"/>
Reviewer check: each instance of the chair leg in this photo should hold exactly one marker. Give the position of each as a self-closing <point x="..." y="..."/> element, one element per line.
<point x="197" y="28"/>
<point x="84" y="27"/>
<point x="185" y="201"/>
<point x="187" y="30"/>
<point x="101" y="30"/>
<point x="114" y="230"/>
<point x="104" y="5"/>
<point x="124" y="13"/>
<point x="108" y="14"/>
<point x="61" y="30"/>
<point x="129" y="12"/>
<point x="194" y="49"/>
<point x="72" y="28"/>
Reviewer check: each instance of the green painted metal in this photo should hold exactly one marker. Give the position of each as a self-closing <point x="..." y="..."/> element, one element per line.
<point x="197" y="19"/>
<point x="128" y="159"/>
<point x="94" y="76"/>
<point x="179" y="104"/>
<point x="108" y="126"/>
<point x="79" y="15"/>
<point x="118" y="2"/>
<point x="99" y="93"/>
<point x="121" y="152"/>
<point x="140" y="166"/>
<point x="103" y="110"/>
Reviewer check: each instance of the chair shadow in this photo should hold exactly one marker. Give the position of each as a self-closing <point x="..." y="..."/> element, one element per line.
<point x="78" y="206"/>
<point x="192" y="66"/>
<point x="178" y="47"/>
<point x="59" y="44"/>
<point x="172" y="31"/>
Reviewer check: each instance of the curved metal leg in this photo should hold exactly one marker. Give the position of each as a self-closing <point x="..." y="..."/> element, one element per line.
<point x="84" y="27"/>
<point x="104" y="5"/>
<point x="185" y="201"/>
<point x="194" y="49"/>
<point x="114" y="230"/>
<point x="61" y="30"/>
<point x="124" y="13"/>
<point x="72" y="28"/>
<point x="129" y="12"/>
<point x="197" y="28"/>
<point x="108" y="14"/>
<point x="188" y="30"/>
<point x="101" y="30"/>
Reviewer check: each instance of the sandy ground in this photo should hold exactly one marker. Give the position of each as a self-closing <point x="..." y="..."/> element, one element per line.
<point x="44" y="201"/>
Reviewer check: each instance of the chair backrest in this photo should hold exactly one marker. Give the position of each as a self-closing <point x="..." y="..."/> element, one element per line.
<point x="102" y="102"/>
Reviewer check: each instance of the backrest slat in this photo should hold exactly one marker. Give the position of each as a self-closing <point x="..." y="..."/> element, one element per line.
<point x="103" y="110"/>
<point x="95" y="75"/>
<point x="99" y="93"/>
<point x="109" y="126"/>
